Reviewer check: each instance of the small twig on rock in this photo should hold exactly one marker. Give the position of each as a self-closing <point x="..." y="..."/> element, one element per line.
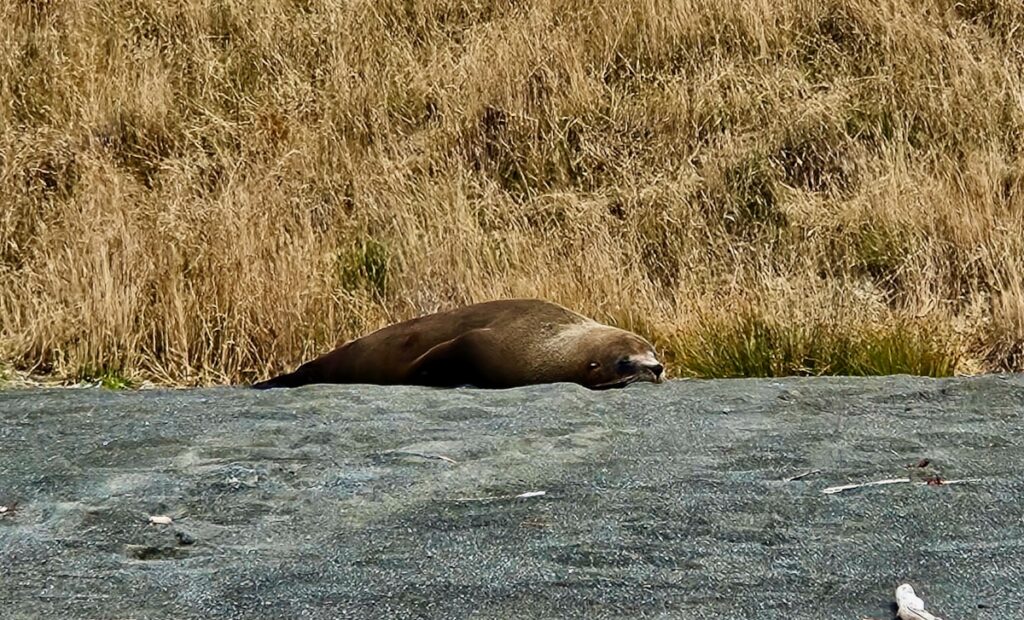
<point x="809" y="472"/>
<point x="911" y="607"/>
<point x="536" y="523"/>
<point x="423" y="455"/>
<point x="526" y="495"/>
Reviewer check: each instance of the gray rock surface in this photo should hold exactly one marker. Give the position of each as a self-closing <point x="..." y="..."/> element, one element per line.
<point x="662" y="501"/>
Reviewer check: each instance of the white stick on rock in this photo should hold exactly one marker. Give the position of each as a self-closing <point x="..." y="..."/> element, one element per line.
<point x="874" y="483"/>
<point x="911" y="607"/>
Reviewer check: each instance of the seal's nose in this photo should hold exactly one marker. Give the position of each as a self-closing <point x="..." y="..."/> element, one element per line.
<point x="640" y="365"/>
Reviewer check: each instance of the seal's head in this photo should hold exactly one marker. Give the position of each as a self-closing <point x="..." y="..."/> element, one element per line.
<point x="616" y="358"/>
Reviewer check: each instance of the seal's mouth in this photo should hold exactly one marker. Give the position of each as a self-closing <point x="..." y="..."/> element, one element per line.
<point x="619" y="383"/>
<point x="651" y="371"/>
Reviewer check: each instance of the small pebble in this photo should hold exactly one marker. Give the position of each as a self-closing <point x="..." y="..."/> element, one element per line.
<point x="184" y="538"/>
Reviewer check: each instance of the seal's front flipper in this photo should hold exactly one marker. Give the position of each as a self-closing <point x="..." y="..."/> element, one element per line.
<point x="288" y="380"/>
<point x="303" y="375"/>
<point x="452" y="363"/>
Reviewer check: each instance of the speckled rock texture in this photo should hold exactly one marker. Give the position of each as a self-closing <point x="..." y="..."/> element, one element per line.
<point x="660" y="501"/>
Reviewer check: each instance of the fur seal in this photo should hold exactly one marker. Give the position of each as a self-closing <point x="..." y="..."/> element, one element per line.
<point x="495" y="344"/>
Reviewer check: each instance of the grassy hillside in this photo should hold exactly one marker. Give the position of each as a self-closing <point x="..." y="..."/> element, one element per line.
<point x="199" y="192"/>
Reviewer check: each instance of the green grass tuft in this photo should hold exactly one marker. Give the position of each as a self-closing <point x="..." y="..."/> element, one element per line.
<point x="752" y="346"/>
<point x="109" y="378"/>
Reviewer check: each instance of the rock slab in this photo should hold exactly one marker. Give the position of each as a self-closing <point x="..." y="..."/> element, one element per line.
<point x="657" y="501"/>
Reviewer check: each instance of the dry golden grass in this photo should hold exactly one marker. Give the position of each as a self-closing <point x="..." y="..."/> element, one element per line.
<point x="209" y="191"/>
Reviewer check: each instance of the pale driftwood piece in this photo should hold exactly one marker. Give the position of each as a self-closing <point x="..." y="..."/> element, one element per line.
<point x="161" y="520"/>
<point x="529" y="494"/>
<point x="848" y="487"/>
<point x="526" y="495"/>
<point x="910" y="605"/>
<point x="939" y="483"/>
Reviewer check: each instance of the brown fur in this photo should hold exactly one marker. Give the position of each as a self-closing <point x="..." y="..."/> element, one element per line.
<point x="496" y="344"/>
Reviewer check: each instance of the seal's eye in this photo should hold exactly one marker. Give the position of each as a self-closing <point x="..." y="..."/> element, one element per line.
<point x="592" y="365"/>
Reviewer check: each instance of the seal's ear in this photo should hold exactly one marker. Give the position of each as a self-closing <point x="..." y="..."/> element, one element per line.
<point x="452" y="363"/>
